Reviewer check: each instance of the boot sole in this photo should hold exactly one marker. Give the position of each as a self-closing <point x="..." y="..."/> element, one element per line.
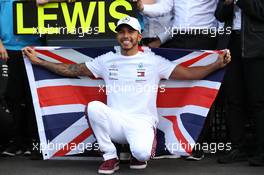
<point x="108" y="171"/>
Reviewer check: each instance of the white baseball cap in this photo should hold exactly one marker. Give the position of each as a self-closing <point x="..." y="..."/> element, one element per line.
<point x="130" y="21"/>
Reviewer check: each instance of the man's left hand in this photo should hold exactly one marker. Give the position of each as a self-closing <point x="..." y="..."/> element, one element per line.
<point x="223" y="59"/>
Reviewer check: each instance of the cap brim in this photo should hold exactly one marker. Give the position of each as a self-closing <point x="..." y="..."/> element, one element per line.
<point x="121" y="25"/>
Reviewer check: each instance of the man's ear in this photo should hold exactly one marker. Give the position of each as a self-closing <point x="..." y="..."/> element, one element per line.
<point x="139" y="37"/>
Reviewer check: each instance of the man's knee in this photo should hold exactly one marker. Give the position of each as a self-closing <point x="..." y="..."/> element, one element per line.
<point x="141" y="154"/>
<point x="93" y="109"/>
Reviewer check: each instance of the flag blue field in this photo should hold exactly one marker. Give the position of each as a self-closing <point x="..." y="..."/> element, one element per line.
<point x="59" y="102"/>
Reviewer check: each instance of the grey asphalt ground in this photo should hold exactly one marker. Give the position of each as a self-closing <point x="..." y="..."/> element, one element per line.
<point x="24" y="166"/>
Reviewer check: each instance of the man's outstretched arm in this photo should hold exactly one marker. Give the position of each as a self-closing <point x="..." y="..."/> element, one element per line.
<point x="200" y="72"/>
<point x="69" y="70"/>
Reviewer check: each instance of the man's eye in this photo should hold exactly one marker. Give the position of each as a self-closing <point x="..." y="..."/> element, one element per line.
<point x="130" y="31"/>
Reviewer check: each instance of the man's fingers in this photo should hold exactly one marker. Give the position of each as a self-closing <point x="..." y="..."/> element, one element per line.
<point x="227" y="57"/>
<point x="27" y="48"/>
<point x="227" y="52"/>
<point x="28" y="51"/>
<point x="25" y="51"/>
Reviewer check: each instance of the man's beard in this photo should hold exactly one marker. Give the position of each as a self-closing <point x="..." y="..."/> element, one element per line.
<point x="133" y="44"/>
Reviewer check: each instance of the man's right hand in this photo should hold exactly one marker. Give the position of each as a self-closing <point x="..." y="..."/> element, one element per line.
<point x="63" y="69"/>
<point x="32" y="55"/>
<point x="3" y="53"/>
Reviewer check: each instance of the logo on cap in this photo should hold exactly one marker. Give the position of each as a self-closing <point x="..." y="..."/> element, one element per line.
<point x="126" y="19"/>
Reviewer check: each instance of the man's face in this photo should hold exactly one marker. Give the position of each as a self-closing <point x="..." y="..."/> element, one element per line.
<point x="128" y="38"/>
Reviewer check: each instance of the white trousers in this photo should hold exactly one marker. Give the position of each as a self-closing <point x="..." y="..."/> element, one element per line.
<point x="110" y="125"/>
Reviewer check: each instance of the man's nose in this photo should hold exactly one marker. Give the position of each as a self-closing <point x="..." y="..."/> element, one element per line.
<point x="126" y="34"/>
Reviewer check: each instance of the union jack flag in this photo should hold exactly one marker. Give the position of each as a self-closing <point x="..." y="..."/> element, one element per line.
<point x="141" y="74"/>
<point x="59" y="102"/>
